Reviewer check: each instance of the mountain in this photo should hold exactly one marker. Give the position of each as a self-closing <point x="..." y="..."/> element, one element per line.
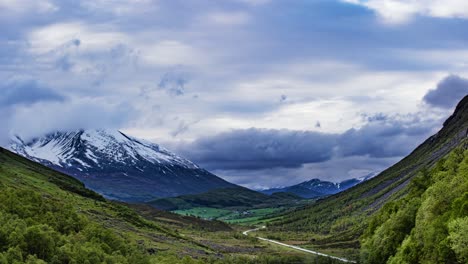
<point x="317" y="188"/>
<point x="118" y="166"/>
<point x="237" y="197"/>
<point x="413" y="212"/>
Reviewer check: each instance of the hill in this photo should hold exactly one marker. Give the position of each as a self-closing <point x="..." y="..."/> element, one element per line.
<point x="118" y="166"/>
<point x="339" y="221"/>
<point x="239" y="197"/>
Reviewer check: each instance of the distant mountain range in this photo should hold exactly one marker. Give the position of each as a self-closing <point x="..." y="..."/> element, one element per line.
<point x="317" y="188"/>
<point x="118" y="166"/>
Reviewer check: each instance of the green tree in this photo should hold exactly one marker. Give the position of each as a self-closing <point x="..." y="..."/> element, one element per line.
<point x="458" y="236"/>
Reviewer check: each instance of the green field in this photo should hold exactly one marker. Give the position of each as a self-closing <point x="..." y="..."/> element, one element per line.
<point x="204" y="212"/>
<point x="243" y="217"/>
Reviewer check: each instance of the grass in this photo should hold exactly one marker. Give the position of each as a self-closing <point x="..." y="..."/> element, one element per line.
<point x="204" y="212"/>
<point x="231" y="216"/>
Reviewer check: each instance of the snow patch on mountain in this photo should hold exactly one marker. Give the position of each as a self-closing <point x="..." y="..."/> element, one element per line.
<point x="117" y="165"/>
<point x="61" y="148"/>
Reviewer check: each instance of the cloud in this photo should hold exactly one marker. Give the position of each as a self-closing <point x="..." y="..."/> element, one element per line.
<point x="334" y="170"/>
<point x="390" y="137"/>
<point x="46" y="117"/>
<point x="402" y="11"/>
<point x="448" y="92"/>
<point x="241" y="56"/>
<point x="18" y="94"/>
<point x="24" y="6"/>
<point x="5" y="117"/>
<point x="255" y="149"/>
<point x="173" y="83"/>
<point x="171" y="53"/>
<point x="120" y="7"/>
<point x="92" y="38"/>
<point x="229" y="18"/>
<point x="260" y="148"/>
<point x="183" y="127"/>
<point x="25" y="92"/>
<point x="254" y="2"/>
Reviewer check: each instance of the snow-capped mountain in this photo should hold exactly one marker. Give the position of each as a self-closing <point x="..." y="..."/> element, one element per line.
<point x="118" y="166"/>
<point x="317" y="188"/>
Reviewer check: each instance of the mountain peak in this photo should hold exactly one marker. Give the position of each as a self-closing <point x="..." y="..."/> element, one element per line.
<point x="459" y="115"/>
<point x="117" y="165"/>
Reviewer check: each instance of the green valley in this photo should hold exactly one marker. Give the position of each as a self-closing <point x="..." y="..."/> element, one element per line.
<point x="233" y="205"/>
<point x="48" y="217"/>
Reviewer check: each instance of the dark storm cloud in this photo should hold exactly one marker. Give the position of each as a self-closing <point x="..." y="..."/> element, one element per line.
<point x="26" y="92"/>
<point x="382" y="140"/>
<point x="253" y="149"/>
<point x="261" y="148"/>
<point x="448" y="92"/>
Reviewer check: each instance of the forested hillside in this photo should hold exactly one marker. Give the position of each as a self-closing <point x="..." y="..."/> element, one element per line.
<point x="41" y="224"/>
<point x="429" y="224"/>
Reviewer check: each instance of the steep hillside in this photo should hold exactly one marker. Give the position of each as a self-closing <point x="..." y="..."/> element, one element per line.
<point x="339" y="220"/>
<point x="118" y="166"/>
<point x="430" y="223"/>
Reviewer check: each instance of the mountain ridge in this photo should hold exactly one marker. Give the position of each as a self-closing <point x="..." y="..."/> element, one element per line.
<point x="118" y="166"/>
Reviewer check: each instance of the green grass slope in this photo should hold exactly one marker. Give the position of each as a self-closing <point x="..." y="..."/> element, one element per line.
<point x="338" y="221"/>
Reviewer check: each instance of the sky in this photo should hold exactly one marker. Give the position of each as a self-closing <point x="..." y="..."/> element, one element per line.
<point x="263" y="93"/>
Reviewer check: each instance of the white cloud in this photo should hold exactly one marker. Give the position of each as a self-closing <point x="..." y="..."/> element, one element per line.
<point x="401" y="11"/>
<point x="90" y="37"/>
<point x="84" y="113"/>
<point x="229" y="18"/>
<point x="253" y="102"/>
<point x="50" y="41"/>
<point x="120" y="7"/>
<point x="255" y="2"/>
<point x="449" y="59"/>
<point x="24" y="6"/>
<point x="171" y="52"/>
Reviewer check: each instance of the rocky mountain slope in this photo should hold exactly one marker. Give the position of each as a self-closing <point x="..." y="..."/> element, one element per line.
<point x="118" y="166"/>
